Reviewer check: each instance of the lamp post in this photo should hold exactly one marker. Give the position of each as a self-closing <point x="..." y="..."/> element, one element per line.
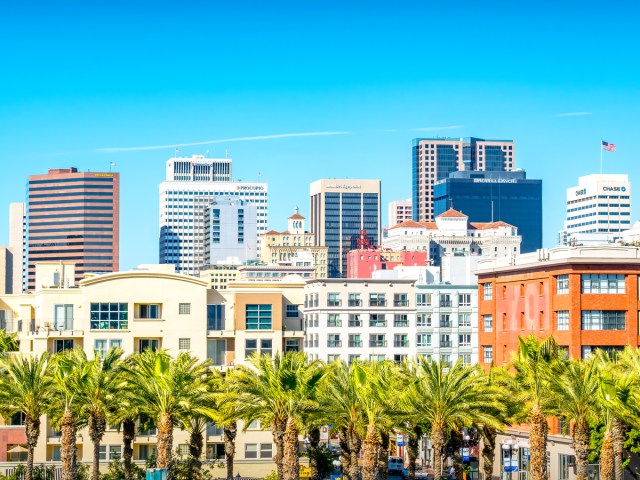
<point x="509" y="450"/>
<point x="466" y="458"/>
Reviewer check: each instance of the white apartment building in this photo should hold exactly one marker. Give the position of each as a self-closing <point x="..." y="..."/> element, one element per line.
<point x="399" y="211"/>
<point x="230" y="231"/>
<point x="364" y="319"/>
<point x="186" y="196"/>
<point x="453" y="235"/>
<point x="598" y="210"/>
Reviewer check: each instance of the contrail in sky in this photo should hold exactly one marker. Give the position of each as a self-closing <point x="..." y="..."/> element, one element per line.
<point x="433" y="129"/>
<point x="572" y="114"/>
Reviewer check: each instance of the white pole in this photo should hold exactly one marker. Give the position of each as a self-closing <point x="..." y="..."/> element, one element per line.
<point x="600" y="157"/>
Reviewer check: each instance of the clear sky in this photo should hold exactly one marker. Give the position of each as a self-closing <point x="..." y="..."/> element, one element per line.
<point x="79" y="77"/>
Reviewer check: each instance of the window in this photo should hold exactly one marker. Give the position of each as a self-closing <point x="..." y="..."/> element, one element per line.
<point x="184" y="308"/>
<point x="148" y="310"/>
<point x="333" y="340"/>
<point x="146" y="451"/>
<point x="266" y="450"/>
<point x="62" y="344"/>
<point x="334" y="320"/>
<point x="115" y="452"/>
<point x="464" y="340"/>
<point x="148" y="344"/>
<point x="215" y="317"/>
<point x="602" y="283"/>
<point x="377" y="358"/>
<point x="445" y="320"/>
<point x="423" y="340"/>
<point x="63" y="317"/>
<point x="377" y="340"/>
<point x="445" y="300"/>
<point x="400" y="300"/>
<point x="355" y="340"/>
<point x="291" y="345"/>
<point x="562" y="320"/>
<point x="355" y="320"/>
<point x="464" y="299"/>
<point x="353" y="358"/>
<point x="423" y="320"/>
<point x="401" y="340"/>
<point x="184" y="343"/>
<point x="487" y="323"/>
<point x="562" y="284"/>
<point x="258" y="317"/>
<point x="466" y="358"/>
<point x="56" y="453"/>
<point x="250" y="346"/>
<point x="217" y="351"/>
<point x="101" y="346"/>
<point x="215" y="451"/>
<point x="377" y="300"/>
<point x="487" y="352"/>
<point x="487" y="291"/>
<point x="603" y="320"/>
<point x="377" y="320"/>
<point x="333" y="358"/>
<point x="565" y="465"/>
<point x="266" y="346"/>
<point x="255" y="425"/>
<point x="109" y="316"/>
<point x="445" y="359"/>
<point x="400" y="320"/>
<point x="250" y="450"/>
<point x="464" y="320"/>
<point x="293" y="311"/>
<point x="333" y="300"/>
<point x="354" y="300"/>
<point x="423" y="299"/>
<point x="445" y="341"/>
<point x="102" y="452"/>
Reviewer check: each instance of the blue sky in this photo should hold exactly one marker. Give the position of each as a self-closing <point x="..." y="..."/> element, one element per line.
<point x="77" y="77"/>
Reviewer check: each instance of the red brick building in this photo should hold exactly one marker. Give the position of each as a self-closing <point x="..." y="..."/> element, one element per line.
<point x="362" y="263"/>
<point x="586" y="297"/>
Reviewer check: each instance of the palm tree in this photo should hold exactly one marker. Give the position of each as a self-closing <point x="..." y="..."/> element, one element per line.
<point x="535" y="363"/>
<point x="281" y="391"/>
<point x="97" y="396"/>
<point x="166" y="390"/>
<point x="574" y="392"/>
<point x="8" y="342"/>
<point x="451" y="398"/>
<point x="26" y="387"/>
<point x="227" y="416"/>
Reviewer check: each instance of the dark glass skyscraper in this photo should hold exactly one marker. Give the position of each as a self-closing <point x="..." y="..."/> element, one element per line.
<point x="493" y="196"/>
<point x="340" y="210"/>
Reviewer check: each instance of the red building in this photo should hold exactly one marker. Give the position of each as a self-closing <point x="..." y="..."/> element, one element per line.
<point x="363" y="262"/>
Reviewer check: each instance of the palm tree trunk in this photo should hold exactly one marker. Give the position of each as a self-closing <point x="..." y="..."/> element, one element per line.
<point x="230" y="431"/>
<point x="345" y="453"/>
<point x="128" y="434"/>
<point x="383" y="455"/>
<point x="291" y="461"/>
<point x="437" y="442"/>
<point x="412" y="451"/>
<point x="165" y="442"/>
<point x="581" y="438"/>
<point x="32" y="431"/>
<point x="607" y="462"/>
<point x="97" y="427"/>
<point x="538" y="441"/>
<point x="196" y="443"/>
<point x="312" y="450"/>
<point x="355" y="443"/>
<point x="488" y="450"/>
<point x="369" y="455"/>
<point x="619" y="430"/>
<point x="279" y="427"/>
<point x="68" y="446"/>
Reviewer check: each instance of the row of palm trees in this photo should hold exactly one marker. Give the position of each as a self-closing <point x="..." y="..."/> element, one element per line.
<point x="364" y="402"/>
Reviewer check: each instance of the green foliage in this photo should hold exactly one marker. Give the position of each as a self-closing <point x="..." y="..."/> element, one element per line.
<point x="116" y="471"/>
<point x="181" y="468"/>
<point x="325" y="460"/>
<point x="271" y="476"/>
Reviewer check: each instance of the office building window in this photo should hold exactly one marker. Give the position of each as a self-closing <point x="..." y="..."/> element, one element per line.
<point x="423" y="299"/>
<point x="109" y="316"/>
<point x="423" y="340"/>
<point x="250" y="346"/>
<point x="464" y="340"/>
<point x="487" y="291"/>
<point x="148" y="311"/>
<point x="602" y="283"/>
<point x="266" y="346"/>
<point x="464" y="299"/>
<point x="293" y="311"/>
<point x="148" y="344"/>
<point x="562" y="320"/>
<point x="184" y="343"/>
<point x="464" y="320"/>
<point x="487" y="323"/>
<point x="423" y="320"/>
<point x="603" y="320"/>
<point x="377" y="300"/>
<point x="184" y="308"/>
<point x="215" y="317"/>
<point x="334" y="320"/>
<point x="487" y="352"/>
<point x="258" y="317"/>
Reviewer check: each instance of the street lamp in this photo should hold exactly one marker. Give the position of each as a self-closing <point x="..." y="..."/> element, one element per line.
<point x="509" y="451"/>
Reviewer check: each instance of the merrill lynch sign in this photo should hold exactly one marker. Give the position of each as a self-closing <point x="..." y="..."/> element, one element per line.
<point x="342" y="185"/>
<point x="494" y="180"/>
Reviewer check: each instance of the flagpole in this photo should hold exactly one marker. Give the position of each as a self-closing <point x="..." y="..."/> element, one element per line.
<point x="600" y="157"/>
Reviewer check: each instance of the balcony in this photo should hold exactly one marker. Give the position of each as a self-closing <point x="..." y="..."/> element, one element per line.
<point x="334" y="303"/>
<point x="445" y="324"/>
<point x="355" y="303"/>
<point x="378" y="323"/>
<point x="378" y="303"/>
<point x="355" y="343"/>
<point x="401" y="303"/>
<point x="445" y="303"/>
<point x="377" y="343"/>
<point x="401" y="323"/>
<point x="401" y="343"/>
<point x="334" y="343"/>
<point x="334" y="323"/>
<point x="355" y="323"/>
<point x="446" y="343"/>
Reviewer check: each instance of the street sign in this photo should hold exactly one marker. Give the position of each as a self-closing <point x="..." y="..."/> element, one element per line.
<point x="465" y="454"/>
<point x="400" y="441"/>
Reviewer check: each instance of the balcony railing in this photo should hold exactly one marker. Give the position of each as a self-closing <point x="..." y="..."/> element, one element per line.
<point x="401" y="303"/>
<point x="355" y="323"/>
<point x="445" y="303"/>
<point x="378" y="303"/>
<point x="355" y="302"/>
<point x="401" y="343"/>
<point x="445" y="324"/>
<point x="377" y="323"/>
<point x="334" y="323"/>
<point x="401" y="323"/>
<point x="334" y="303"/>
<point x="334" y="343"/>
<point x="445" y="343"/>
<point x="377" y="343"/>
<point x="355" y="343"/>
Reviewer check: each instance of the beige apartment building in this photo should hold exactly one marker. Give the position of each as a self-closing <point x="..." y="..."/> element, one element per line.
<point x="153" y="307"/>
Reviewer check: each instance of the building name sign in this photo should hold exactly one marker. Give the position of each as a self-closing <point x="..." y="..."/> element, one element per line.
<point x="103" y="174"/>
<point x="495" y="180"/>
<point x="581" y="192"/>
<point x="614" y="189"/>
<point x="343" y="186"/>
<point x="249" y="187"/>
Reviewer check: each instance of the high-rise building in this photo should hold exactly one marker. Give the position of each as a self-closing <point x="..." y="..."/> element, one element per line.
<point x="491" y="196"/>
<point x="18" y="246"/>
<point x="435" y="158"/>
<point x="399" y="211"/>
<point x="72" y="216"/>
<point x="340" y="210"/>
<point x="186" y="196"/>
<point x="230" y="231"/>
<point x="598" y="210"/>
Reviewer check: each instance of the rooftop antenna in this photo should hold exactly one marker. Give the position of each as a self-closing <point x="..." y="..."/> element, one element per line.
<point x="226" y="153"/>
<point x="111" y="165"/>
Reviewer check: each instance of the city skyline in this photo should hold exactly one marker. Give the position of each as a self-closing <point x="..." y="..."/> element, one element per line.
<point x="322" y="106"/>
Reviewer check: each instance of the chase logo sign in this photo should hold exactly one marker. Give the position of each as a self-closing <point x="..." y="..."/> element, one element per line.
<point x="614" y="189"/>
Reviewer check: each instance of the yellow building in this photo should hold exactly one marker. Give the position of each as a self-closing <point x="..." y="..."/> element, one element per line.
<point x="285" y="246"/>
<point x="218" y="276"/>
<point x="152" y="307"/>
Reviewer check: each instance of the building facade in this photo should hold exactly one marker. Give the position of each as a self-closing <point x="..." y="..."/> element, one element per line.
<point x="185" y="199"/>
<point x="230" y="231"/>
<point x="399" y="211"/>
<point x="72" y="216"/>
<point x="490" y="196"/>
<point x="292" y="243"/>
<point x="363" y="263"/>
<point x="18" y="246"/>
<point x="341" y="209"/>
<point x="598" y="210"/>
<point x="434" y="159"/>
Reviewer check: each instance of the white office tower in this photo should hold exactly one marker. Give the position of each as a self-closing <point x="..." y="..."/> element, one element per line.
<point x="191" y="187"/>
<point x="230" y="231"/>
<point x="598" y="210"/>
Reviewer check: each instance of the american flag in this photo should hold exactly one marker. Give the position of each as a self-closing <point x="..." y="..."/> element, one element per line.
<point x="610" y="147"/>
